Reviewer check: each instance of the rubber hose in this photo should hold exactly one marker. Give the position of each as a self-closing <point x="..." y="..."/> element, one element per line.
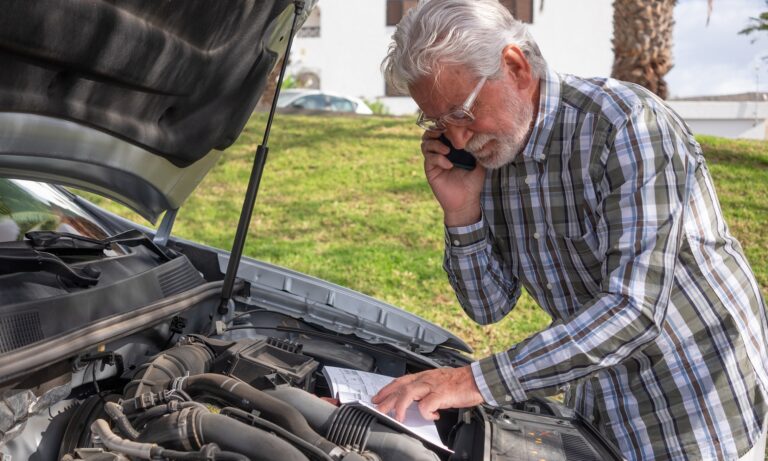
<point x="239" y="394"/>
<point x="191" y="428"/>
<point x="160" y="410"/>
<point x="115" y="412"/>
<point x="229" y="456"/>
<point x="232" y="435"/>
<point x="119" y="444"/>
<point x="202" y="455"/>
<point x="280" y="431"/>
<point x="388" y="443"/>
<point x="154" y="376"/>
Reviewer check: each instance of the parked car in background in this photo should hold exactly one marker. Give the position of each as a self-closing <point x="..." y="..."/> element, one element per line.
<point x="320" y="100"/>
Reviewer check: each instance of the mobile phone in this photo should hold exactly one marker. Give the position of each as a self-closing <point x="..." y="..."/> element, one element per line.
<point x="459" y="157"/>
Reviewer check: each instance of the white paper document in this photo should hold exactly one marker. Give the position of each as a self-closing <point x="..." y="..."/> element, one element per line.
<point x="359" y="387"/>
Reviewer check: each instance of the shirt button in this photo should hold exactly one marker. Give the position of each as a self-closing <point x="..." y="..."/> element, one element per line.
<point x="456" y="242"/>
<point x="536" y="235"/>
<point x="508" y="398"/>
<point x="529" y="179"/>
<point x="549" y="286"/>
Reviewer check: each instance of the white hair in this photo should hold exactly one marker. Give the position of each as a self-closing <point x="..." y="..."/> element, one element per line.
<point x="470" y="33"/>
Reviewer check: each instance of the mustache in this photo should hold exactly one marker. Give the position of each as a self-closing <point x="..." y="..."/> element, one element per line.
<point x="479" y="140"/>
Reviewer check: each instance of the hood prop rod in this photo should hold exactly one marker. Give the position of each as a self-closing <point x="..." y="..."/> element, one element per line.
<point x="259" y="161"/>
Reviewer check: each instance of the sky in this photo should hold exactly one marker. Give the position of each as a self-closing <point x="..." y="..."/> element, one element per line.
<point x="715" y="59"/>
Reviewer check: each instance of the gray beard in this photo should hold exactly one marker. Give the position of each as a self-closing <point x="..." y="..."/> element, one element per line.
<point x="505" y="146"/>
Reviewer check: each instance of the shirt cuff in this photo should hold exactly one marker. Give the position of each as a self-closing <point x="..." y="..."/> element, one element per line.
<point x="466" y="239"/>
<point x="496" y="380"/>
<point x="481" y="384"/>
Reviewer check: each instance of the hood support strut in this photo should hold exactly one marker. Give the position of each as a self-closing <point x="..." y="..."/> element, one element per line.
<point x="259" y="161"/>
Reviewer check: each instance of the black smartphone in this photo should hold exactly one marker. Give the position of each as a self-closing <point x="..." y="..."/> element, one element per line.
<point x="459" y="157"/>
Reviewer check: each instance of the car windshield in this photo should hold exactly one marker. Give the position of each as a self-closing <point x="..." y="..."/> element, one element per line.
<point x="32" y="206"/>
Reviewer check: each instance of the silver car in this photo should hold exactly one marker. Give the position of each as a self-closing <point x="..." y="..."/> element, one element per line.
<point x="308" y="99"/>
<point x="121" y="342"/>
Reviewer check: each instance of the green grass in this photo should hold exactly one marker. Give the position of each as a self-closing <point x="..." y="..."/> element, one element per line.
<point x="740" y="171"/>
<point x="345" y="199"/>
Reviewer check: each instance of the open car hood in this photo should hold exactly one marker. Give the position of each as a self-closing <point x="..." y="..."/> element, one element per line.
<point x="133" y="99"/>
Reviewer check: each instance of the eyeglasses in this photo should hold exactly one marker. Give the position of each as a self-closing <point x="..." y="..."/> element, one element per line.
<point x="461" y="116"/>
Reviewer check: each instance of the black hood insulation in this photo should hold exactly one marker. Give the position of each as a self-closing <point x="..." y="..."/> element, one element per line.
<point x="176" y="77"/>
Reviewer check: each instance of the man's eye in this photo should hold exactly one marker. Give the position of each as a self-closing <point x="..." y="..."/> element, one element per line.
<point x="459" y="117"/>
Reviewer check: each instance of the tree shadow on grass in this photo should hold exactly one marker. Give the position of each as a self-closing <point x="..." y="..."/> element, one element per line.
<point x="742" y="153"/>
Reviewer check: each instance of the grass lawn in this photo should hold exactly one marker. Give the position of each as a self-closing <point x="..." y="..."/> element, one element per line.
<point x="344" y="199"/>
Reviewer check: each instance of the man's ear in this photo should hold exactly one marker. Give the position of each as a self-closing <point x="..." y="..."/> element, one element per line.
<point x="517" y="65"/>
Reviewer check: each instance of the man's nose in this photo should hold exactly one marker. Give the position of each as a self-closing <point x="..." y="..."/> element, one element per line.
<point x="458" y="135"/>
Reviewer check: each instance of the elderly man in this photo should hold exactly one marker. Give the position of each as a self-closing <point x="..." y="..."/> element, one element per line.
<point x="594" y="196"/>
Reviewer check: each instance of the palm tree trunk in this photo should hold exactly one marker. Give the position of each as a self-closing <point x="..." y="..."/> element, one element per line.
<point x="642" y="42"/>
<point x="269" y="90"/>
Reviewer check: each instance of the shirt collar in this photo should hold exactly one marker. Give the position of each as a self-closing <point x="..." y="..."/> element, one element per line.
<point x="549" y="101"/>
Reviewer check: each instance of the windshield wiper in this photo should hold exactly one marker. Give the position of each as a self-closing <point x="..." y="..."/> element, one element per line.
<point x="66" y="243"/>
<point x="15" y="260"/>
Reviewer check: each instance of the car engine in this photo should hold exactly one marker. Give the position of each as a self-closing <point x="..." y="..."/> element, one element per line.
<point x="216" y="399"/>
<point x="146" y="365"/>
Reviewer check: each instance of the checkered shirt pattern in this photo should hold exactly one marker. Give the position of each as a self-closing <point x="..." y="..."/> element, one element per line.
<point x="610" y="221"/>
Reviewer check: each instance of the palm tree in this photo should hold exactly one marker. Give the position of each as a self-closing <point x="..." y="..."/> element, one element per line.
<point x="642" y="42"/>
<point x="759" y="23"/>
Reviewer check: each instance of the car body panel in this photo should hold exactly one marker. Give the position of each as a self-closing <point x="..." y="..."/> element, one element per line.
<point x="176" y="79"/>
<point x="134" y="99"/>
<point x="339" y="309"/>
<point x="37" y="147"/>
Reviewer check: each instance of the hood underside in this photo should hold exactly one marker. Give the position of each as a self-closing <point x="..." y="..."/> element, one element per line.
<point x="167" y="81"/>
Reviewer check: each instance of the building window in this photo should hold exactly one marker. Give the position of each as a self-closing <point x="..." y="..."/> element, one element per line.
<point x="396" y="9"/>
<point x="520" y="9"/>
<point x="311" y="27"/>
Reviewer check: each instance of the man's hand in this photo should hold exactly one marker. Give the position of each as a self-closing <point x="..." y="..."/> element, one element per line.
<point x="432" y="389"/>
<point x="457" y="190"/>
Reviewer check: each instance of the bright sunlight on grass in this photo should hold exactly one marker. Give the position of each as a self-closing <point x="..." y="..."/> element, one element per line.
<point x="344" y="199"/>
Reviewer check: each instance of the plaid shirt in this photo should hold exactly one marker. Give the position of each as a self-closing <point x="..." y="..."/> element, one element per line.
<point x="609" y="219"/>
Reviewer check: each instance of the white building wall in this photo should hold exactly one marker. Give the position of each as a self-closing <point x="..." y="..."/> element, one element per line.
<point x="744" y="129"/>
<point x="575" y="37"/>
<point x="727" y="119"/>
<point x="348" y="53"/>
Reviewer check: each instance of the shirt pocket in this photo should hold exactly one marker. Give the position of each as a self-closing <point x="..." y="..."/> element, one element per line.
<point x="581" y="263"/>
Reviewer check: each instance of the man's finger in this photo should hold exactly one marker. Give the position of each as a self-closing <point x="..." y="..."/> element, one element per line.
<point x="437" y="161"/>
<point x="416" y="391"/>
<point x="429" y="405"/>
<point x="392" y="387"/>
<point x="433" y="146"/>
<point x="387" y="404"/>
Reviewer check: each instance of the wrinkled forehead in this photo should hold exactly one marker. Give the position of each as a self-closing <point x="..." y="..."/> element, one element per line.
<point x="443" y="90"/>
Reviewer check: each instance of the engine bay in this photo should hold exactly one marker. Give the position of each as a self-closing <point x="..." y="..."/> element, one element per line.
<point x="147" y="365"/>
<point x="239" y="395"/>
<point x="246" y="399"/>
<point x="254" y="391"/>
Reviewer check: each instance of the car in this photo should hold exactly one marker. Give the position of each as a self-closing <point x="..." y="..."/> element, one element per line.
<point x="122" y="342"/>
<point x="319" y="100"/>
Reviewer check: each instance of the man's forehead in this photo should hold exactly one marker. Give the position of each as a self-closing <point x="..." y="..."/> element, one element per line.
<point x="447" y="88"/>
